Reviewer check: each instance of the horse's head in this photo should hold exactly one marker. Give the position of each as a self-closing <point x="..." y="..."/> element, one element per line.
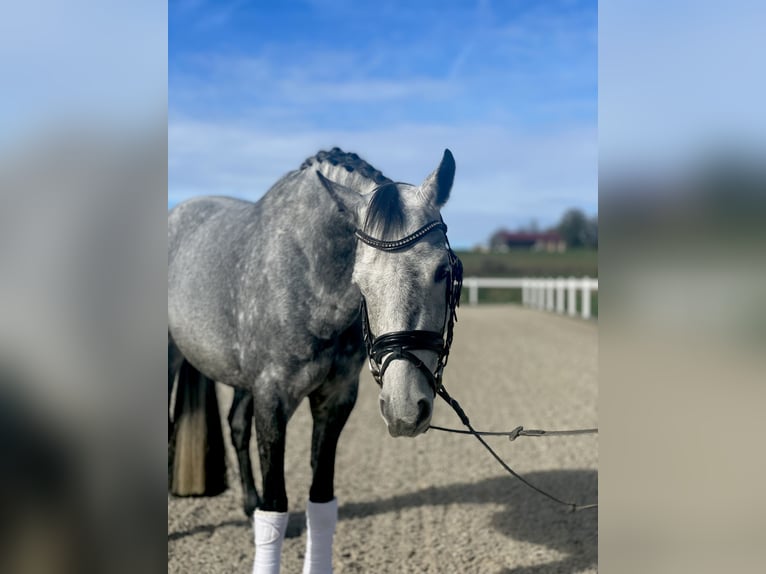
<point x="409" y="279"/>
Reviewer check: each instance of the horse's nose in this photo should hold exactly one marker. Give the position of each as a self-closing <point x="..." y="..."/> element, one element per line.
<point x="424" y="412"/>
<point x="411" y="424"/>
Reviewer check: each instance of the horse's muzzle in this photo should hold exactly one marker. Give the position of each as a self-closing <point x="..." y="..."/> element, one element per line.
<point x="412" y="423"/>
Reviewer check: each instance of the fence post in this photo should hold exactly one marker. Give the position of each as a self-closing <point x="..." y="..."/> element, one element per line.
<point x="473" y="293"/>
<point x="524" y="292"/>
<point x="559" y="295"/>
<point x="549" y="284"/>
<point x="572" y="297"/>
<point x="586" y="298"/>
<point x="539" y="294"/>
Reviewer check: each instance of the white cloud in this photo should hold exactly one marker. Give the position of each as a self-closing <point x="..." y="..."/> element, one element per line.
<point x="308" y="84"/>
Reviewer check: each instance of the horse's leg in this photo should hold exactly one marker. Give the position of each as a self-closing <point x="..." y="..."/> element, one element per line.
<point x="270" y="518"/>
<point x="241" y="424"/>
<point x="331" y="406"/>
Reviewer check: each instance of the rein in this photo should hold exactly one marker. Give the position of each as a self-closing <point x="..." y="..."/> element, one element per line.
<point x="398" y="345"/>
<point x="512" y="435"/>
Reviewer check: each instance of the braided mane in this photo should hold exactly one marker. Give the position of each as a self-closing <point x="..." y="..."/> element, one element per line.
<point x="385" y="217"/>
<point x="351" y="162"/>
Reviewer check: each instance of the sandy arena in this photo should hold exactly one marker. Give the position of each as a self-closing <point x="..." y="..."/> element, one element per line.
<point x="439" y="503"/>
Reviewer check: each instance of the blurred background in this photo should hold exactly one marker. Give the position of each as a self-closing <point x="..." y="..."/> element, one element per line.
<point x="83" y="176"/>
<point x="659" y="104"/>
<point x="682" y="195"/>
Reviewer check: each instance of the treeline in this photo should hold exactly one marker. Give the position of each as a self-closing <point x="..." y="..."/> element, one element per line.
<point x="575" y="228"/>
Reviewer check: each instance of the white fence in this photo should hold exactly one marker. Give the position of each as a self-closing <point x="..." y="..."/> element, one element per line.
<point x="555" y="294"/>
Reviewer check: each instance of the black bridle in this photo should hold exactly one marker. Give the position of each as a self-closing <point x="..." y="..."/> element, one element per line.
<point x="399" y="345"/>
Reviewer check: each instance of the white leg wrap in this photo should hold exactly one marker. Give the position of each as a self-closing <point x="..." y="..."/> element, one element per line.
<point x="320" y="524"/>
<point x="269" y="534"/>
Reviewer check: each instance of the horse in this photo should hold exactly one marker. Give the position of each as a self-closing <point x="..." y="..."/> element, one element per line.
<point x="281" y="299"/>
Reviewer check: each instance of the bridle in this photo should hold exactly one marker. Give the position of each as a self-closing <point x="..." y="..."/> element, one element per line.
<point x="399" y="345"/>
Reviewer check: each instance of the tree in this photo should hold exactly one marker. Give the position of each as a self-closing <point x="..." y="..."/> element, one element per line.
<point x="592" y="233"/>
<point x="577" y="230"/>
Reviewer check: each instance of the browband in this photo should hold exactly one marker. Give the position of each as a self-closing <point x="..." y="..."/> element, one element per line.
<point x="404" y="241"/>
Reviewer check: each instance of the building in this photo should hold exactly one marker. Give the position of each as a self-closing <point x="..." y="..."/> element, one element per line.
<point x="549" y="241"/>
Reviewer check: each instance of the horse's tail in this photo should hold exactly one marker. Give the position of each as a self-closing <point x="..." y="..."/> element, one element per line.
<point x="196" y="456"/>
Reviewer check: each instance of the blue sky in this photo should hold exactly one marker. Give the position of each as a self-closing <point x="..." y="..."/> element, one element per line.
<point x="509" y="86"/>
<point x="81" y="66"/>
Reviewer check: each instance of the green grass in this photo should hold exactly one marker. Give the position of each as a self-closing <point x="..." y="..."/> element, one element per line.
<point x="575" y="263"/>
<point x="522" y="263"/>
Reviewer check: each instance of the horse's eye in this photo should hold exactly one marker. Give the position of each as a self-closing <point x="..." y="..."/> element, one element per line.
<point x="441" y="273"/>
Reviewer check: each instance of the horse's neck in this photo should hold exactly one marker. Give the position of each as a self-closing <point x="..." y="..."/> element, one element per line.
<point x="327" y="245"/>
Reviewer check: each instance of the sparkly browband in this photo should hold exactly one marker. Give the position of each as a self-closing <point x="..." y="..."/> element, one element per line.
<point x="404" y="241"/>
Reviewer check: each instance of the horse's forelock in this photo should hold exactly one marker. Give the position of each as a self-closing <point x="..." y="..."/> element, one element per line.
<point x="385" y="213"/>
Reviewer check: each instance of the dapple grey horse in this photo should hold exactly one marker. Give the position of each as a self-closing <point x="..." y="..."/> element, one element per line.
<point x="267" y="297"/>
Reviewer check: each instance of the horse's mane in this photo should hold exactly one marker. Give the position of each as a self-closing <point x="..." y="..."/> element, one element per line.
<point x="348" y="161"/>
<point x="385" y="212"/>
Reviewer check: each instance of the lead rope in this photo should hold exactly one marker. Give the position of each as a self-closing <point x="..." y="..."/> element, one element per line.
<point x="442" y="392"/>
<point x="518" y="431"/>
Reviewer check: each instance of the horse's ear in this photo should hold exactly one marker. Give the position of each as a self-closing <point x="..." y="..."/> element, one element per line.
<point x="349" y="202"/>
<point x="437" y="186"/>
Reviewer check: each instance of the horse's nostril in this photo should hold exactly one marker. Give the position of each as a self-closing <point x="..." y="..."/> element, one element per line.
<point x="424" y="411"/>
<point x="382" y="405"/>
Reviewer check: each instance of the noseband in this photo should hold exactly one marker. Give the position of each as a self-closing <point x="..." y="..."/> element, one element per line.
<point x="399" y="345"/>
